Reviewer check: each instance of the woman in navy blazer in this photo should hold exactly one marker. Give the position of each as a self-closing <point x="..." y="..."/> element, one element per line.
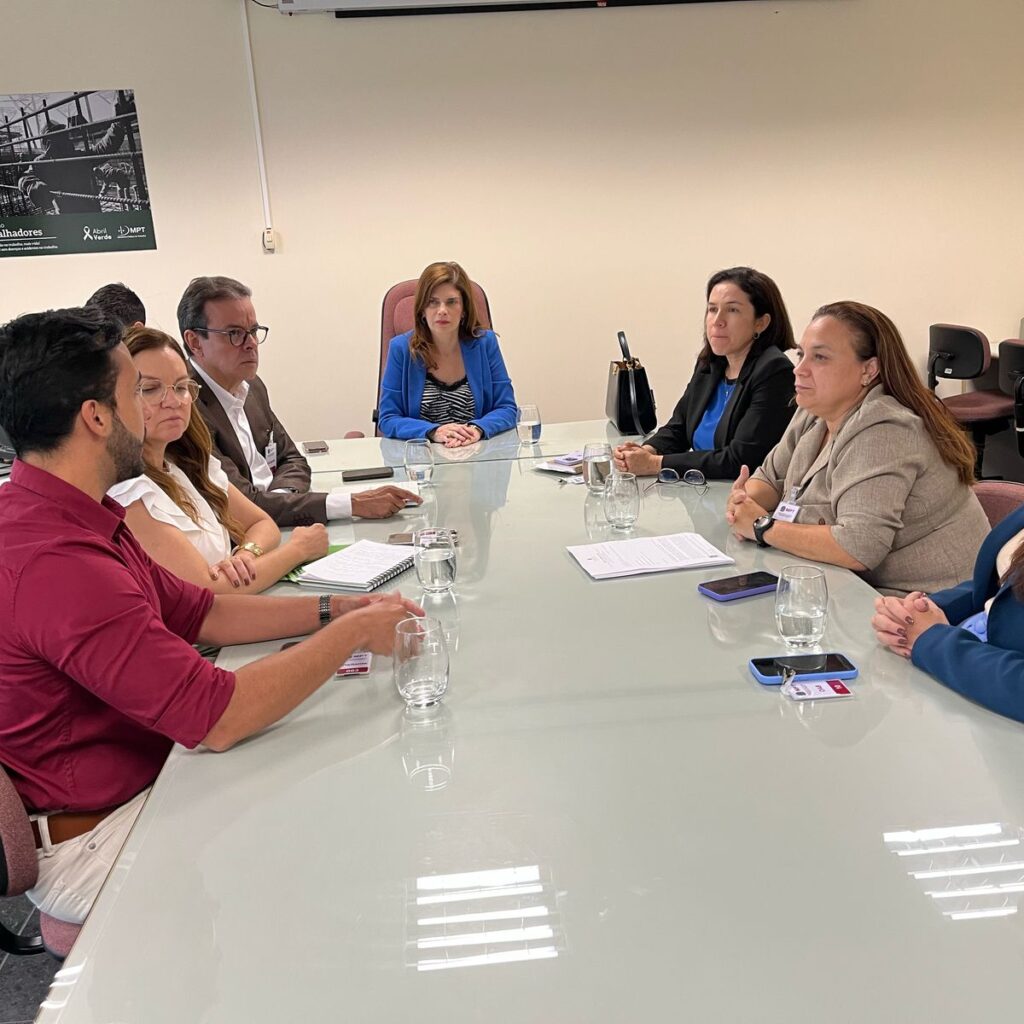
<point x="970" y="637"/>
<point x="445" y="379"/>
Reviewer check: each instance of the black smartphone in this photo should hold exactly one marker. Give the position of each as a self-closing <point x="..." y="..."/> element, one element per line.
<point x="808" y="666"/>
<point x="734" y="587"/>
<point x="315" y="447"/>
<point x="374" y="473"/>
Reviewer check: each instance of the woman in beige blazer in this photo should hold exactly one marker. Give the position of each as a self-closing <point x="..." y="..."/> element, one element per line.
<point x="873" y="473"/>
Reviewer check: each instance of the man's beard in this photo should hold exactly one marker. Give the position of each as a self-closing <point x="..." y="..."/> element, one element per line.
<point x="125" y="451"/>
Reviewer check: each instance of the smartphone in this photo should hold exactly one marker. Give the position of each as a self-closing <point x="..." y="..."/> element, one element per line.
<point x="809" y="667"/>
<point x="374" y="473"/>
<point x="406" y="538"/>
<point x="315" y="447"/>
<point x="732" y="588"/>
<point x="357" y="665"/>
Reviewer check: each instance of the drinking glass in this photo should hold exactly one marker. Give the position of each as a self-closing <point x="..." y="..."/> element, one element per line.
<point x="420" y="663"/>
<point x="419" y="461"/>
<point x="622" y="501"/>
<point x="597" y="465"/>
<point x="801" y="604"/>
<point x="434" y="559"/>
<point x="528" y="424"/>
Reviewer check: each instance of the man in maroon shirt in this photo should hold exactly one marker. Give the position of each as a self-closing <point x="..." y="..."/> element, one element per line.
<point x="97" y="673"/>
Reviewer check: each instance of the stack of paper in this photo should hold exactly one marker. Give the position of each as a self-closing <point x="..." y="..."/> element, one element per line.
<point x="641" y="555"/>
<point x="361" y="566"/>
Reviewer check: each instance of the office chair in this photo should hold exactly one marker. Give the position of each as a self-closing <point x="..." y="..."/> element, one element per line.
<point x="963" y="353"/>
<point x="396" y="317"/>
<point x="18" y="873"/>
<point x="999" y="498"/>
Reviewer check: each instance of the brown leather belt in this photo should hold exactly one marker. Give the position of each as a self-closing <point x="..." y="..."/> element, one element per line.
<point x="69" y="825"/>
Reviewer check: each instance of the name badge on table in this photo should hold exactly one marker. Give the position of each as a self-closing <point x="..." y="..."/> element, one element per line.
<point x="786" y="512"/>
<point x="271" y="455"/>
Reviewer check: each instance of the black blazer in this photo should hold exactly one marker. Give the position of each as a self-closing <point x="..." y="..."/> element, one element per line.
<point x="752" y="422"/>
<point x="302" y="508"/>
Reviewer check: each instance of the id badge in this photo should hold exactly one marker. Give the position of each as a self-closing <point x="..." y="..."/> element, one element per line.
<point x="271" y="455"/>
<point x="825" y="689"/>
<point x="786" y="512"/>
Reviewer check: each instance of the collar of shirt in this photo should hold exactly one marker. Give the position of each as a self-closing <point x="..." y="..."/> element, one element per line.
<point x="229" y="399"/>
<point x="104" y="517"/>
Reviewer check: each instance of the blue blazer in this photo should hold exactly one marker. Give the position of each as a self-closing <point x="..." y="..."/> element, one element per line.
<point x="992" y="674"/>
<point x="401" y="389"/>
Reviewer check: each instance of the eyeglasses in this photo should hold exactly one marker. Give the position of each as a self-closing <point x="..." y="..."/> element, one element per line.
<point x="692" y="477"/>
<point x="237" y="335"/>
<point x="153" y="392"/>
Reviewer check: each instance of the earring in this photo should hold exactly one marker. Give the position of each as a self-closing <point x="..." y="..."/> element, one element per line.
<point x="757" y="334"/>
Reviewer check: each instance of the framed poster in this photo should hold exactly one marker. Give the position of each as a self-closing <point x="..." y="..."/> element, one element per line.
<point x="72" y="176"/>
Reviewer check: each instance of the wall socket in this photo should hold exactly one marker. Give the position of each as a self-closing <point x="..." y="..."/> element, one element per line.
<point x="269" y="240"/>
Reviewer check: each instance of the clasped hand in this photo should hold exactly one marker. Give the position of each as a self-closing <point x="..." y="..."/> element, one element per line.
<point x="899" y="621"/>
<point x="455" y="435"/>
<point x="640" y="460"/>
<point x="741" y="510"/>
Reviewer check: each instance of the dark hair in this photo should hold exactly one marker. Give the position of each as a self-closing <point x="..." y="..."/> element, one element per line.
<point x="119" y="303"/>
<point x="50" y="364"/>
<point x="191" y="452"/>
<point x="765" y="297"/>
<point x="421" y="344"/>
<point x="200" y="291"/>
<point x="875" y="335"/>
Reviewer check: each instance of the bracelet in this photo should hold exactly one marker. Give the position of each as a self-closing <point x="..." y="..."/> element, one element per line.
<point x="249" y="545"/>
<point x="325" y="609"/>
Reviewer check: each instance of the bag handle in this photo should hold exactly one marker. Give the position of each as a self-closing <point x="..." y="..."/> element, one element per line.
<point x="624" y="345"/>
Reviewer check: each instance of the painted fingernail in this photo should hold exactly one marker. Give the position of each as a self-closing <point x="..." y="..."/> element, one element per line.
<point x="910" y="621"/>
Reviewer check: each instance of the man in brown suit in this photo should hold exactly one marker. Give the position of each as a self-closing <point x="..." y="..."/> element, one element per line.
<point x="219" y="328"/>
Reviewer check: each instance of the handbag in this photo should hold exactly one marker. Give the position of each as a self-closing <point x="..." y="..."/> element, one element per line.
<point x="630" y="401"/>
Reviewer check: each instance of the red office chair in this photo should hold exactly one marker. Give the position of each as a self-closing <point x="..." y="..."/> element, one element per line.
<point x="962" y="353"/>
<point x="396" y="317"/>
<point x="999" y="498"/>
<point x="18" y="873"/>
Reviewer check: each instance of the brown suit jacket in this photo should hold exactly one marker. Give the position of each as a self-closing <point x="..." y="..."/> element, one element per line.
<point x="301" y="508"/>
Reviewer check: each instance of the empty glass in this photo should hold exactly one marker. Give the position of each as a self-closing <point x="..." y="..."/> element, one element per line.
<point x="420" y="664"/>
<point x="801" y="604"/>
<point x="419" y="461"/>
<point x="597" y="465"/>
<point x="434" y="559"/>
<point x="528" y="424"/>
<point x="622" y="501"/>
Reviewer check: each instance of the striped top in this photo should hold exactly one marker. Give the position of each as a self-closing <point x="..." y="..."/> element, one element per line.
<point x="447" y="403"/>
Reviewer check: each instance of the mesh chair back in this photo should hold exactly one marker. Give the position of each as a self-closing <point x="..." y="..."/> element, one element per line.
<point x="18" y="866"/>
<point x="999" y="498"/>
<point x="396" y="317"/>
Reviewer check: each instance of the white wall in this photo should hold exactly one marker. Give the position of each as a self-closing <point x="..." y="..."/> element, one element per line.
<point x="590" y="168"/>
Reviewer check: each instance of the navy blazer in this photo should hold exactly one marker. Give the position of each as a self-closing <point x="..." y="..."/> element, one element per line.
<point x="401" y="389"/>
<point x="753" y="421"/>
<point x="992" y="674"/>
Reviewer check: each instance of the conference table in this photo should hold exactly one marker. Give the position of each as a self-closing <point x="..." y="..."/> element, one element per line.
<point x="607" y="820"/>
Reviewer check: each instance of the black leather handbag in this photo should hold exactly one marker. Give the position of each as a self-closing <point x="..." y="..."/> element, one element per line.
<point x="630" y="402"/>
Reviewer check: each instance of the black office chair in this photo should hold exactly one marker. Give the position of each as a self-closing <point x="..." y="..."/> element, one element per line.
<point x="963" y="353"/>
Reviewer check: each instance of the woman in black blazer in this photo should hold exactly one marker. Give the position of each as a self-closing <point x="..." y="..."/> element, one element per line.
<point x="739" y="401"/>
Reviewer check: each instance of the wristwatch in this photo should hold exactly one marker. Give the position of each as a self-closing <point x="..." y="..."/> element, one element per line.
<point x="762" y="524"/>
<point x="325" y="609"/>
<point x="251" y="546"/>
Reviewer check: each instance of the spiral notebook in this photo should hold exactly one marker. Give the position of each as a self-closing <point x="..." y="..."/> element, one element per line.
<point x="362" y="566"/>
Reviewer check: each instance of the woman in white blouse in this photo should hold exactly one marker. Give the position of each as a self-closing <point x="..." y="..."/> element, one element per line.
<point x="183" y="510"/>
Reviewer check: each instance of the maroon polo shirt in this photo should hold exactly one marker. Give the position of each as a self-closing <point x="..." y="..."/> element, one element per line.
<point x="97" y="672"/>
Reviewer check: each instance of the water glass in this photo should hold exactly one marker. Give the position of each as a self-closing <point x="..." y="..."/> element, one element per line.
<point x="597" y="465"/>
<point x="528" y="424"/>
<point x="434" y="559"/>
<point x="420" y="664"/>
<point x="801" y="604"/>
<point x="419" y="461"/>
<point x="622" y="501"/>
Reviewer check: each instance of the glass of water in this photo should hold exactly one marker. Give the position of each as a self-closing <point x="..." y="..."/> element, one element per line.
<point x="597" y="465"/>
<point x="622" y="501"/>
<point x="419" y="461"/>
<point x="420" y="664"/>
<point x="434" y="559"/>
<point x="801" y="605"/>
<point x="528" y="424"/>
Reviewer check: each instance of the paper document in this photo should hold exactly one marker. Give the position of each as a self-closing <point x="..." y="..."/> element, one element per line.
<point x="612" y="559"/>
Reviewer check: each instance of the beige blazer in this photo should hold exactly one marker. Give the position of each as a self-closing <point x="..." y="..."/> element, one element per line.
<point x="880" y="483"/>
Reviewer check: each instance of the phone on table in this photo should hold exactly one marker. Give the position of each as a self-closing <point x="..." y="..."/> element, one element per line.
<point x="406" y="538"/>
<point x="373" y="473"/>
<point x="732" y="588"/>
<point x="809" y="667"/>
<point x="315" y="447"/>
<point x="357" y="665"/>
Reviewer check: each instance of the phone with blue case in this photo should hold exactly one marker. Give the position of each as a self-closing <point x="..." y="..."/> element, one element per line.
<point x="732" y="588"/>
<point x="809" y="667"/>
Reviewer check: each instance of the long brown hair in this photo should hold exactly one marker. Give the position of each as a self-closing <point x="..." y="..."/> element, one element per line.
<point x="421" y="345"/>
<point x="874" y="334"/>
<point x="191" y="452"/>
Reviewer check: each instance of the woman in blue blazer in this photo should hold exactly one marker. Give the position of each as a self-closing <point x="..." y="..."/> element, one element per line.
<point x="970" y="637"/>
<point x="445" y="379"/>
